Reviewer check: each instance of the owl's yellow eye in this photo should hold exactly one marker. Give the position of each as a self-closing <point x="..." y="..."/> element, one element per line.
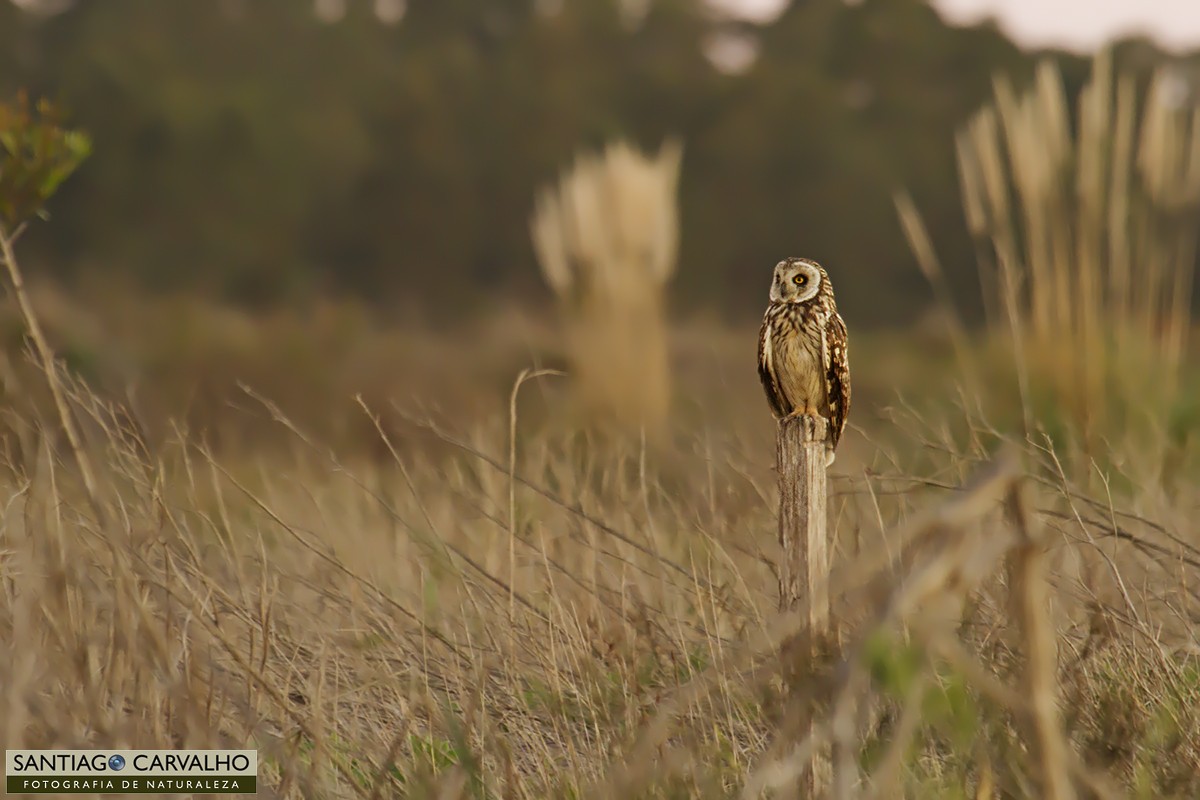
<point x="800" y="279"/>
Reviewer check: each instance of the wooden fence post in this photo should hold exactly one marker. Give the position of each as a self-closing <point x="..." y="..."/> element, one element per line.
<point x="800" y="460"/>
<point x="804" y="572"/>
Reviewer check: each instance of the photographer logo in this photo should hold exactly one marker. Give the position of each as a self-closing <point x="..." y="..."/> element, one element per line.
<point x="131" y="771"/>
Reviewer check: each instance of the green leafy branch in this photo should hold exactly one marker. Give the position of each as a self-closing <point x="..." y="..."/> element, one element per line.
<point x="36" y="155"/>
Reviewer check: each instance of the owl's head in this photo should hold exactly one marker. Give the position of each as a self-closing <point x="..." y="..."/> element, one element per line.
<point x="797" y="280"/>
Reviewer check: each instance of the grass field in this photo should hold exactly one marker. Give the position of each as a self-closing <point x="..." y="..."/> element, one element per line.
<point x="362" y="590"/>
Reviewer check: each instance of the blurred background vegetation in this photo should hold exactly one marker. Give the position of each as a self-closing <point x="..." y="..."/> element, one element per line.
<point x="321" y="198"/>
<point x="273" y="151"/>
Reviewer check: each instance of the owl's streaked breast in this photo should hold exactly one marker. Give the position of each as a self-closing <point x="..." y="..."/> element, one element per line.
<point x="799" y="369"/>
<point x="794" y="351"/>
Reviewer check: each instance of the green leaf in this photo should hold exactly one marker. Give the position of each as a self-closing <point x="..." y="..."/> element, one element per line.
<point x="37" y="156"/>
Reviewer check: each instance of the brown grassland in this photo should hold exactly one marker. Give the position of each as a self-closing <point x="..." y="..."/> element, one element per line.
<point x="399" y="564"/>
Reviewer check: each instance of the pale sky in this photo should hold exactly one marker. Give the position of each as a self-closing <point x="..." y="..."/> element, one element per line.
<point x="1074" y="24"/>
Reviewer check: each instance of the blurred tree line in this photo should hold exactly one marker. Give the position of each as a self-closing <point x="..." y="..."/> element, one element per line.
<point x="264" y="150"/>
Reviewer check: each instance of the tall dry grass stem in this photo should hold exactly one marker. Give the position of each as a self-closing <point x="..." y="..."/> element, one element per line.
<point x="606" y="237"/>
<point x="526" y="375"/>
<point x="49" y="365"/>
<point x="931" y="267"/>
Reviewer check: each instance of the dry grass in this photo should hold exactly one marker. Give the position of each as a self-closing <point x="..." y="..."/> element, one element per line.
<point x="1085" y="223"/>
<point x="605" y="624"/>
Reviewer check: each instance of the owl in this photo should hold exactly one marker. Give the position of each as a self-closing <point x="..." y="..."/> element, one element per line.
<point x="802" y="356"/>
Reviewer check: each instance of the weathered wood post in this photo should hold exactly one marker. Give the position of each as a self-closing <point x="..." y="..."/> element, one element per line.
<point x="800" y="460"/>
<point x="804" y="572"/>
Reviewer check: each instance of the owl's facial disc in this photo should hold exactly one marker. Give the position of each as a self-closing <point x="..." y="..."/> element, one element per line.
<point x="796" y="281"/>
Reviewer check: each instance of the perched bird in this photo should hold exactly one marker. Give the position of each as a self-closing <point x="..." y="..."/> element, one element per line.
<point x="802" y="356"/>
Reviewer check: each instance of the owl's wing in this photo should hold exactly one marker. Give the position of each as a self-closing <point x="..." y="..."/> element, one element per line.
<point x="837" y="375"/>
<point x="766" y="369"/>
